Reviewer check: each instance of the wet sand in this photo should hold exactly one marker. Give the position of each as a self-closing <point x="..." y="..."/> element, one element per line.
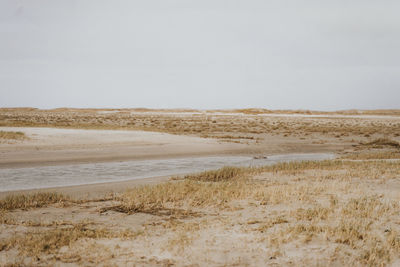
<point x="113" y="175"/>
<point x="51" y="146"/>
<point x="92" y="191"/>
<point x="57" y="146"/>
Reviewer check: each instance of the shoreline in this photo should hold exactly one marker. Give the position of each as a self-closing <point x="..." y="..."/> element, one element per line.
<point x="111" y="159"/>
<point x="100" y="189"/>
<point x="91" y="191"/>
<point x="51" y="147"/>
<point x="56" y="147"/>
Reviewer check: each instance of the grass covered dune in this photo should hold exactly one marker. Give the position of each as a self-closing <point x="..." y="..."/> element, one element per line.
<point x="334" y="212"/>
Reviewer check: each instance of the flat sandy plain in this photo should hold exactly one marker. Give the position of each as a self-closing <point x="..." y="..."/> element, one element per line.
<point x="331" y="213"/>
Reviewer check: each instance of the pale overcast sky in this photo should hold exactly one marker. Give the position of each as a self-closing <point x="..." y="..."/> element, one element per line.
<point x="320" y="55"/>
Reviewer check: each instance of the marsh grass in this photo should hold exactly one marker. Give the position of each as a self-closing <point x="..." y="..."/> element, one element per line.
<point x="35" y="200"/>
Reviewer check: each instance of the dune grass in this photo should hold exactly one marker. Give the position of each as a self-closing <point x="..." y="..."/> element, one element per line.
<point x="219" y="187"/>
<point x="342" y="207"/>
<point x="8" y="135"/>
<point x="226" y="173"/>
<point x="180" y="195"/>
<point x="352" y="225"/>
<point x="234" y="127"/>
<point x="320" y="203"/>
<point x="27" y="201"/>
<point x="382" y="142"/>
<point x="36" y="243"/>
<point x="372" y="155"/>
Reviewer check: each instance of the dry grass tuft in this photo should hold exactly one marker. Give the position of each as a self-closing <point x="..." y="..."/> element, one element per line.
<point x="223" y="174"/>
<point x="353" y="224"/>
<point x="7" y="135"/>
<point x="185" y="194"/>
<point x="35" y="200"/>
<point x="372" y="155"/>
<point x="297" y="167"/>
<point x="310" y="214"/>
<point x="209" y="188"/>
<point x="382" y="142"/>
<point x="49" y="242"/>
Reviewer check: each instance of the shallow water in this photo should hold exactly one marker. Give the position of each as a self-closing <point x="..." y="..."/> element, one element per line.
<point x="78" y="174"/>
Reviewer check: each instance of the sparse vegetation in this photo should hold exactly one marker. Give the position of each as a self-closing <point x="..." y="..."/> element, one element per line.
<point x="372" y="155"/>
<point x="26" y="201"/>
<point x="223" y="125"/>
<point x="49" y="242"/>
<point x="341" y="205"/>
<point x="352" y="224"/>
<point x="181" y="195"/>
<point x="12" y="136"/>
<point x="382" y="142"/>
<point x="223" y="174"/>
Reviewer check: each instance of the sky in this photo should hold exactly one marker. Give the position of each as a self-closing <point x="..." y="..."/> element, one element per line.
<point x="206" y="54"/>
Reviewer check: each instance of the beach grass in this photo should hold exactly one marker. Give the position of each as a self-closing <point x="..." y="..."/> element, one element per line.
<point x="27" y="201"/>
<point x="10" y="135"/>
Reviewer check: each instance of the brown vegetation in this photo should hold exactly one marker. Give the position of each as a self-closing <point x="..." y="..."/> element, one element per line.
<point x="228" y="126"/>
<point x="382" y="142"/>
<point x="48" y="243"/>
<point x="341" y="207"/>
<point x="223" y="174"/>
<point x="13" y="136"/>
<point x="372" y="155"/>
<point x="36" y="200"/>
